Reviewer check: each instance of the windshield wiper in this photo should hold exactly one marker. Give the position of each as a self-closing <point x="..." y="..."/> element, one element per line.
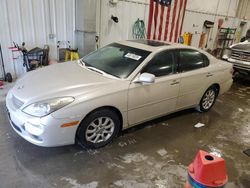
<point x="81" y="62"/>
<point x="95" y="69"/>
<point x="101" y="72"/>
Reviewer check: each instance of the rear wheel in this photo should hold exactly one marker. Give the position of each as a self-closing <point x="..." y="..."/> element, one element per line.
<point x="99" y="128"/>
<point x="208" y="99"/>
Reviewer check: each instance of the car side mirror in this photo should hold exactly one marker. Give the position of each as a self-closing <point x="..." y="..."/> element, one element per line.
<point x="146" y="78"/>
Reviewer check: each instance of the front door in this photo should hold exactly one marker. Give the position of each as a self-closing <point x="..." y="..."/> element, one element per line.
<point x="147" y="101"/>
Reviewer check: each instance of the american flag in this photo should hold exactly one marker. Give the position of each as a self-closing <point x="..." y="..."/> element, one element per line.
<point x="166" y="19"/>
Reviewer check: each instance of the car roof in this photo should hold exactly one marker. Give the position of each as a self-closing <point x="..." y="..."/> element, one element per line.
<point x="153" y="45"/>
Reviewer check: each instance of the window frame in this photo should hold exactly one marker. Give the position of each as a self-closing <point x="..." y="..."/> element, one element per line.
<point x="206" y="61"/>
<point x="175" y="62"/>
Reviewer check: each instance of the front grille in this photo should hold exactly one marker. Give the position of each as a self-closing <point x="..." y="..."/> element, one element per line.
<point x="16" y="127"/>
<point x="240" y="55"/>
<point x="16" y="102"/>
<point x="13" y="124"/>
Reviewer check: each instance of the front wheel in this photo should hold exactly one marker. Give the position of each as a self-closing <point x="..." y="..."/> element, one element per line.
<point x="98" y="129"/>
<point x="207" y="100"/>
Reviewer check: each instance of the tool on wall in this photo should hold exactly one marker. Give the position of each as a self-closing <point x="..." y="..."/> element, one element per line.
<point x="6" y="76"/>
<point x="115" y="18"/>
<point x="97" y="41"/>
<point x="207" y="27"/>
<point x="139" y="29"/>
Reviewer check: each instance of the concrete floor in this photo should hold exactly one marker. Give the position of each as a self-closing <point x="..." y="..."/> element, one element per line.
<point x="155" y="154"/>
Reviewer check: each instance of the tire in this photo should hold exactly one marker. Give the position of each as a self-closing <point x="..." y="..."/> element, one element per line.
<point x="98" y="129"/>
<point x="8" y="77"/>
<point x="208" y="99"/>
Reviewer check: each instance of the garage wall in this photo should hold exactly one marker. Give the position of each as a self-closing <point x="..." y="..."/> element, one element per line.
<point x="223" y="7"/>
<point x="243" y="13"/>
<point x="85" y="26"/>
<point x="128" y="11"/>
<point x="244" y="9"/>
<point x="32" y="22"/>
<point x="198" y="11"/>
<point x="39" y="22"/>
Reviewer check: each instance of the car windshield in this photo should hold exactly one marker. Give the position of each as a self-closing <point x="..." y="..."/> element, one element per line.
<point x="116" y="59"/>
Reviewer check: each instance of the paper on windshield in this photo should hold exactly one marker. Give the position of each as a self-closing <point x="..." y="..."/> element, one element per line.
<point x="133" y="56"/>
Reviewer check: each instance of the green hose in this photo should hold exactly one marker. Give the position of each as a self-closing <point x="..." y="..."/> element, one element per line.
<point x="139" y="30"/>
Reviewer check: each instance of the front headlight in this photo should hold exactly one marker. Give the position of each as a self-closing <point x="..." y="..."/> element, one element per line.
<point x="46" y="107"/>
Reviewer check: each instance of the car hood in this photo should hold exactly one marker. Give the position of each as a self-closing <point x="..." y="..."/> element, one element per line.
<point x="244" y="46"/>
<point x="63" y="79"/>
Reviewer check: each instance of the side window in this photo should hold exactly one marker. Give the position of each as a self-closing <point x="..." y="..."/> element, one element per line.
<point x="162" y="64"/>
<point x="191" y="60"/>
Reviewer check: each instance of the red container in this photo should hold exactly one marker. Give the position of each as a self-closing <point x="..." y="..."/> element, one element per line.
<point x="1" y="83"/>
<point x="208" y="170"/>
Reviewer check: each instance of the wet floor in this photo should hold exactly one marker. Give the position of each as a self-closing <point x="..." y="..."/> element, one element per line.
<point x="155" y="154"/>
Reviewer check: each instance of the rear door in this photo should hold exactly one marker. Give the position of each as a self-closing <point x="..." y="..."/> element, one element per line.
<point x="194" y="76"/>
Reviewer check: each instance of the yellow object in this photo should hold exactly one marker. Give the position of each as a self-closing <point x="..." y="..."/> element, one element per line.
<point x="187" y="37"/>
<point x="72" y="53"/>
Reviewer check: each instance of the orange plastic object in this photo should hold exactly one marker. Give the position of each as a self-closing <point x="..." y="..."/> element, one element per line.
<point x="187" y="185"/>
<point x="73" y="123"/>
<point x="208" y="170"/>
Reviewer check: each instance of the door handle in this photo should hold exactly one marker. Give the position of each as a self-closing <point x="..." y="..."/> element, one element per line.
<point x="209" y="74"/>
<point x="175" y="82"/>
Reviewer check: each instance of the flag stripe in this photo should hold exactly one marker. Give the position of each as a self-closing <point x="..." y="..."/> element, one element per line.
<point x="165" y="20"/>
<point x="153" y="28"/>
<point x="151" y="11"/>
<point x="155" y="18"/>
<point x="173" y="21"/>
<point x="161" y="21"/>
<point x="164" y="23"/>
<point x="167" y="23"/>
<point x="177" y="23"/>
<point x="184" y="10"/>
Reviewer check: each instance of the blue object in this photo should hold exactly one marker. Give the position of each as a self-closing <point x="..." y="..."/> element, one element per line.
<point x="181" y="40"/>
<point x="164" y="2"/>
<point x="195" y="184"/>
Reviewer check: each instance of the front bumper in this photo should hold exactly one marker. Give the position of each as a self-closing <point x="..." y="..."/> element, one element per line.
<point x="45" y="131"/>
<point x="240" y="65"/>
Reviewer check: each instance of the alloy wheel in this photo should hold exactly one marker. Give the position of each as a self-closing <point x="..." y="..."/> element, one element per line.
<point x="208" y="99"/>
<point x="100" y="130"/>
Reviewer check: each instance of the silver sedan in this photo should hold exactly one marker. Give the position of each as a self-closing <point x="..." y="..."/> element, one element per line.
<point x="118" y="86"/>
